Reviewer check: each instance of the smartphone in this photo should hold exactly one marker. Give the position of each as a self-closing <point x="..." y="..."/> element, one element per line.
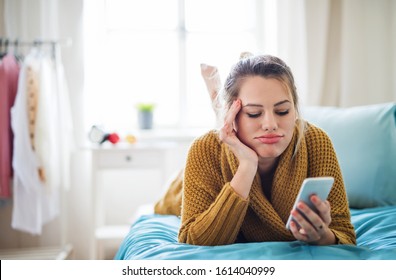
<point x="320" y="186"/>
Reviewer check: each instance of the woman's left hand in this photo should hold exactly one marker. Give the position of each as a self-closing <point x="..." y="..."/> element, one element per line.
<point x="313" y="228"/>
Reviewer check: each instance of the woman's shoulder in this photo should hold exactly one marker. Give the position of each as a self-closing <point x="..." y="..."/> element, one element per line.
<point x="205" y="148"/>
<point x="315" y="135"/>
<point x="211" y="136"/>
<point x="209" y="140"/>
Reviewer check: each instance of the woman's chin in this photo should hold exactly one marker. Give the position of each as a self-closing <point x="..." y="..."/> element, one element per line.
<point x="273" y="153"/>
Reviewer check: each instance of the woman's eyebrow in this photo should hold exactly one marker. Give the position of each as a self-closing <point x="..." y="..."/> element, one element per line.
<point x="259" y="105"/>
<point x="281" y="102"/>
<point x="253" y="105"/>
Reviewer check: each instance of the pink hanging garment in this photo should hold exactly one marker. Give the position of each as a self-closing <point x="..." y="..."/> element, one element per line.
<point x="9" y="72"/>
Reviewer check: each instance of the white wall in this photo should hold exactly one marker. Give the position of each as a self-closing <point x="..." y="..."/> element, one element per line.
<point x="2" y="28"/>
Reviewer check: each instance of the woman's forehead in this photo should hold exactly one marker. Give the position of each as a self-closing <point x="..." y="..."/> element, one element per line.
<point x="255" y="89"/>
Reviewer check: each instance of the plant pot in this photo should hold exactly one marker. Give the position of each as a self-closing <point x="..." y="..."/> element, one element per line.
<point x="145" y="119"/>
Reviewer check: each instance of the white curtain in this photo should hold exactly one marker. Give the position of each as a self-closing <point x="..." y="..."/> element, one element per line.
<point x="343" y="52"/>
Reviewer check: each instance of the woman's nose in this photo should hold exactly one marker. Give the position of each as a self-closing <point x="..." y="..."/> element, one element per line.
<point x="269" y="122"/>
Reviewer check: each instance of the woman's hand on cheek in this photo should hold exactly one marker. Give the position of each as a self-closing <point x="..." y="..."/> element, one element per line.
<point x="228" y="135"/>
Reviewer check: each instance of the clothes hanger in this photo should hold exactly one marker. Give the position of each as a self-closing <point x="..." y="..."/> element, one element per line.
<point x="18" y="55"/>
<point x="2" y="54"/>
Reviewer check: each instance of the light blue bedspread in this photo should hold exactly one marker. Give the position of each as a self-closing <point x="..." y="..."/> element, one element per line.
<point x="155" y="237"/>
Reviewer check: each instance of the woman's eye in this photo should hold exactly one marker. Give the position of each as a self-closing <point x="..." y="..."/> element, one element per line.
<point x="255" y="115"/>
<point x="282" y="113"/>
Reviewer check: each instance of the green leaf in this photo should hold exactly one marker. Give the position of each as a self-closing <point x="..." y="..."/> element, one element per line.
<point x="145" y="107"/>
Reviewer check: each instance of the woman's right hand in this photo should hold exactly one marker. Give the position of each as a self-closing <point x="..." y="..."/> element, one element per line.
<point x="248" y="158"/>
<point x="228" y="135"/>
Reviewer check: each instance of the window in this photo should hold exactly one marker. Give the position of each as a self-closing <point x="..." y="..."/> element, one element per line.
<point x="151" y="51"/>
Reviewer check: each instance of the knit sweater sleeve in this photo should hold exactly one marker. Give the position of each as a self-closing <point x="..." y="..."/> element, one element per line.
<point x="212" y="212"/>
<point x="323" y="162"/>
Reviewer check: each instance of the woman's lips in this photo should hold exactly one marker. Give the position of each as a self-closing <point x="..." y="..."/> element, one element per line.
<point x="269" y="138"/>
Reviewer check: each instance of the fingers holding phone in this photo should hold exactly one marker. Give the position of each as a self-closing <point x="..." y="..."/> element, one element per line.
<point x="322" y="208"/>
<point x="308" y="225"/>
<point x="310" y="216"/>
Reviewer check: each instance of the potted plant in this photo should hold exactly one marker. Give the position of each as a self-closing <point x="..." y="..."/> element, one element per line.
<point x="145" y="115"/>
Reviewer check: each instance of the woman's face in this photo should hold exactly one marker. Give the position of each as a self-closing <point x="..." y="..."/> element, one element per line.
<point x="266" y="120"/>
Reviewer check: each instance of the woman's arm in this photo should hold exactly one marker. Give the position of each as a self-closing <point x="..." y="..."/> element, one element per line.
<point x="212" y="212"/>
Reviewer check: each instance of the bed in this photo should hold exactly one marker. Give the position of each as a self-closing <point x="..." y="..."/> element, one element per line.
<point x="365" y="141"/>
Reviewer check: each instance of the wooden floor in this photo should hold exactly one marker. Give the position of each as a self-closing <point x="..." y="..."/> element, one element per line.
<point x="44" y="253"/>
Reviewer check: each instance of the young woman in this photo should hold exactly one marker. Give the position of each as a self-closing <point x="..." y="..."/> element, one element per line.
<point x="240" y="182"/>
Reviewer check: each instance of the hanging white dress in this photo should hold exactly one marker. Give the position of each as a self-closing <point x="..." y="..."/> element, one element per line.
<point x="39" y="169"/>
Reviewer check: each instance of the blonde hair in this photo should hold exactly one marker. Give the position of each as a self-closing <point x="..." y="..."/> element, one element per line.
<point x="266" y="66"/>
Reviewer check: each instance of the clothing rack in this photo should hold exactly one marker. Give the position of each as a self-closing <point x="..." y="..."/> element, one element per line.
<point x="6" y="43"/>
<point x="64" y="250"/>
<point x="37" y="42"/>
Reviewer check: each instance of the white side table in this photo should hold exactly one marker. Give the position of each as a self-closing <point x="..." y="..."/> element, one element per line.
<point x="137" y="156"/>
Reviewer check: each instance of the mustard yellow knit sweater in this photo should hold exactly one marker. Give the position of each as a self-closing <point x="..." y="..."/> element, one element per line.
<point x="213" y="214"/>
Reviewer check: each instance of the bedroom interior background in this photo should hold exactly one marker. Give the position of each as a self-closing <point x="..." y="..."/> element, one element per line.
<point x="341" y="51"/>
<point x="49" y="21"/>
